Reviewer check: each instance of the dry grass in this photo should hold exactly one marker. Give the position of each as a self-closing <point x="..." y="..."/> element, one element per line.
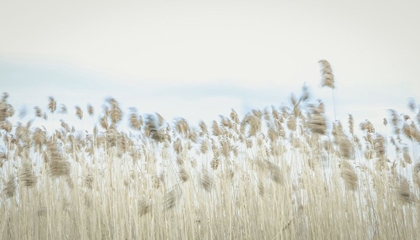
<point x="275" y="174"/>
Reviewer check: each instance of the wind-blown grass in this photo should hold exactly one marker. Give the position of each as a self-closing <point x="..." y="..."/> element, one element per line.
<point x="279" y="173"/>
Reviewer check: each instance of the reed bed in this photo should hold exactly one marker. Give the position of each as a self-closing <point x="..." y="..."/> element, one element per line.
<point x="276" y="173"/>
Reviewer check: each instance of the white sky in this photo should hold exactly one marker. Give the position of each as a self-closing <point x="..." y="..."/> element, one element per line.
<point x="198" y="59"/>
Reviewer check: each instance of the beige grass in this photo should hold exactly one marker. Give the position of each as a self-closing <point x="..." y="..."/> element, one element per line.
<point x="275" y="174"/>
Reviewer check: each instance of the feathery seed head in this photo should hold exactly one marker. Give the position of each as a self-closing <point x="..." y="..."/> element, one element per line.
<point x="275" y="172"/>
<point x="135" y="121"/>
<point x="351" y="124"/>
<point x="234" y="116"/>
<point x="214" y="163"/>
<point x="58" y="165"/>
<point x="52" y="105"/>
<point x="402" y="187"/>
<point x="63" y="109"/>
<point x="203" y="128"/>
<point x="90" y="110"/>
<point x="79" y="112"/>
<point x="183" y="174"/>
<point x="27" y="176"/>
<point x="406" y="155"/>
<point x="215" y="129"/>
<point x="38" y="112"/>
<point x="171" y="198"/>
<point x="204" y="146"/>
<point x="349" y="175"/>
<point x="144" y="207"/>
<point x="206" y="180"/>
<point x="291" y="123"/>
<point x="412" y="104"/>
<point x="317" y="124"/>
<point x="327" y="75"/>
<point x="10" y="188"/>
<point x="6" y="125"/>
<point x="177" y="146"/>
<point x="416" y="168"/>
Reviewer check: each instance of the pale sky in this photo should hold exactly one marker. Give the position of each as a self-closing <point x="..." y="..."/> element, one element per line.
<point x="198" y="59"/>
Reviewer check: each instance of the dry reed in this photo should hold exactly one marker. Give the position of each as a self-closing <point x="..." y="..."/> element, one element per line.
<point x="279" y="173"/>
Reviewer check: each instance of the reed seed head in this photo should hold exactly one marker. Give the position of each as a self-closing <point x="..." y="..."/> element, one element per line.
<point x="183" y="174"/>
<point x="327" y="79"/>
<point x="58" y="165"/>
<point x="349" y="175"/>
<point x="52" y="105"/>
<point x="27" y="176"/>
<point x="206" y="180"/>
<point x="10" y="187"/>
<point x="90" y="110"/>
<point x="79" y="112"/>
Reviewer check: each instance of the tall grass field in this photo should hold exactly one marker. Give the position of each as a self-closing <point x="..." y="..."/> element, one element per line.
<point x="275" y="173"/>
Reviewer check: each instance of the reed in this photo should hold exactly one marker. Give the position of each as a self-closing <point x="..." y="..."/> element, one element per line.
<point x="276" y="173"/>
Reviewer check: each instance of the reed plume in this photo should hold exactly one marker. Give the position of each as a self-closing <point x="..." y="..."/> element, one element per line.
<point x="317" y="123"/>
<point x="403" y="190"/>
<point x="52" y="104"/>
<point x="275" y="172"/>
<point x="136" y="121"/>
<point x="327" y="74"/>
<point x="171" y="198"/>
<point x="38" y="112"/>
<point x="327" y="79"/>
<point x="63" y="109"/>
<point x="3" y="110"/>
<point x="6" y="126"/>
<point x="349" y="175"/>
<point x="234" y="116"/>
<point x="79" y="112"/>
<point x="90" y="110"/>
<point x="344" y="144"/>
<point x="183" y="174"/>
<point x="144" y="207"/>
<point x="215" y="129"/>
<point x="206" y="180"/>
<point x="58" y="164"/>
<point x="10" y="188"/>
<point x="6" y="110"/>
<point x="115" y="112"/>
<point x="351" y="124"/>
<point x="153" y="129"/>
